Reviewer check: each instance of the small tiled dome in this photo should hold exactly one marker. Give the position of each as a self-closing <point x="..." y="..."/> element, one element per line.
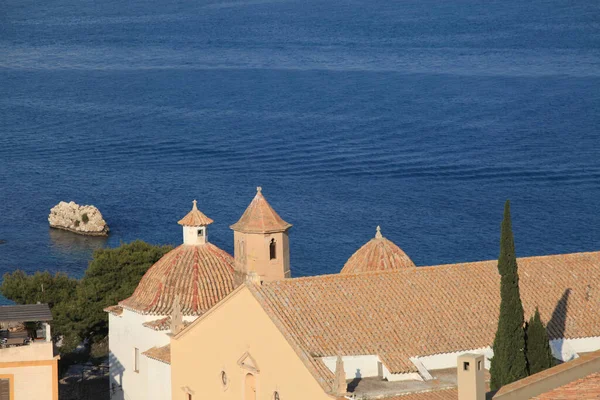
<point x="199" y="275"/>
<point x="195" y="217"/>
<point x="378" y="254"/>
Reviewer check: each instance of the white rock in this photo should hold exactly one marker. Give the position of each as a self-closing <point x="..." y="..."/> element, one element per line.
<point x="85" y="220"/>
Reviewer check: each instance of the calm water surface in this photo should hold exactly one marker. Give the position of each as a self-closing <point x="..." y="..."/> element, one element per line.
<point x="420" y="116"/>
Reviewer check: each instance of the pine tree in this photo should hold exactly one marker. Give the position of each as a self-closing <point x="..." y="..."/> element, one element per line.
<point x="509" y="363"/>
<point x="539" y="355"/>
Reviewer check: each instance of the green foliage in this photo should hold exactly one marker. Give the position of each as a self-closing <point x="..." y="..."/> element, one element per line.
<point x="113" y="275"/>
<point x="40" y="287"/>
<point x="77" y="305"/>
<point x="56" y="290"/>
<point x="509" y="363"/>
<point x="85" y="218"/>
<point x="99" y="350"/>
<point x="539" y="355"/>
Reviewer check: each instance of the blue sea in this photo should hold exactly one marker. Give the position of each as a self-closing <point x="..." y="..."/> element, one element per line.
<point x="419" y="116"/>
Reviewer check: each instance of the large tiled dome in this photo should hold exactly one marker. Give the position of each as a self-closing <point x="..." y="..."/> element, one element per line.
<point x="378" y="254"/>
<point x="199" y="275"/>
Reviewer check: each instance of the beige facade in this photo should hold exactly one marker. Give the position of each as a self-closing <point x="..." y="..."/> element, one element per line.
<point x="470" y="374"/>
<point x="31" y="379"/>
<point x="236" y="352"/>
<point x="267" y="254"/>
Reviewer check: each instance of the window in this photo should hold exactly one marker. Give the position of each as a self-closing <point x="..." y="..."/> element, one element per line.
<point x="479" y="365"/>
<point x="200" y="232"/>
<point x="4" y="389"/>
<point x="224" y="379"/>
<point x="465" y="366"/>
<point x="275" y="395"/>
<point x="136" y="360"/>
<point x="189" y="397"/>
<point x="272" y="250"/>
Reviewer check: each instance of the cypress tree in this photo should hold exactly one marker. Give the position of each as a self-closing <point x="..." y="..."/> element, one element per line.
<point x="539" y="355"/>
<point x="509" y="363"/>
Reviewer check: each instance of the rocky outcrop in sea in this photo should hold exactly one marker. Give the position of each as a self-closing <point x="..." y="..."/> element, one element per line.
<point x="85" y="220"/>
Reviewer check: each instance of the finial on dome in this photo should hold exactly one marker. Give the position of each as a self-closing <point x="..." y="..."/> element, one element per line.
<point x="258" y="189"/>
<point x="378" y="233"/>
<point x="195" y="205"/>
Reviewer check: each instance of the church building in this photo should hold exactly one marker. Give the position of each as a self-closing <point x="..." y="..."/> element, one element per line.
<point x="182" y="286"/>
<point x="205" y="325"/>
<point x="382" y="328"/>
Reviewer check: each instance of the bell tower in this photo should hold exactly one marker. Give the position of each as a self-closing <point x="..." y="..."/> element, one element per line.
<point x="261" y="242"/>
<point x="195" y="226"/>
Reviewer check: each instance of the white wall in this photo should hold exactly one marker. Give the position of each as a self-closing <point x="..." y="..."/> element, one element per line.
<point x="355" y="366"/>
<point x="568" y="349"/>
<point x="367" y="366"/>
<point x="190" y="235"/>
<point x="126" y="332"/>
<point x="448" y="360"/>
<point x="159" y="380"/>
<point x="411" y="376"/>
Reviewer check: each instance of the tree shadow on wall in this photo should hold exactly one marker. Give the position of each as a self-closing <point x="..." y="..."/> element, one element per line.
<point x="558" y="322"/>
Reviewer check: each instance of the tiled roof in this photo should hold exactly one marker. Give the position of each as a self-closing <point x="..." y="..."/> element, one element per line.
<point x="444" y="394"/>
<point x="162" y="354"/>
<point x="114" y="310"/>
<point x="25" y="313"/>
<point x="581" y="389"/>
<point x="560" y="382"/>
<point x="195" y="217"/>
<point x="427" y="310"/>
<point x="438" y="394"/>
<point x="162" y="324"/>
<point x="200" y="275"/>
<point x="378" y="254"/>
<point x="260" y="217"/>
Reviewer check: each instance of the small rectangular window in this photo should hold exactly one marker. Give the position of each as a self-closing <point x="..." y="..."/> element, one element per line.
<point x="136" y="360"/>
<point x="200" y="232"/>
<point x="272" y="250"/>
<point x="479" y="365"/>
<point x="465" y="366"/>
<point x="4" y="389"/>
<point x="189" y="397"/>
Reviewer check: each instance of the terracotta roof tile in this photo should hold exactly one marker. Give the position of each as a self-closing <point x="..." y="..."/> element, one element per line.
<point x="114" y="310"/>
<point x="581" y="389"/>
<point x="378" y="254"/>
<point x="427" y="310"/>
<point x="260" y="217"/>
<point x="162" y="324"/>
<point x="162" y="354"/>
<point x="195" y="217"/>
<point x="444" y="394"/>
<point x="200" y="275"/>
<point x="540" y="382"/>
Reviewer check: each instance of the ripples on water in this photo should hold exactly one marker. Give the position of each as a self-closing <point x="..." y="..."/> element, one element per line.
<point x="419" y="116"/>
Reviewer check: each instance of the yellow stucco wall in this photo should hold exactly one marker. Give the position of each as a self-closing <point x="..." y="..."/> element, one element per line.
<point x="32" y="379"/>
<point x="216" y="342"/>
<point x="37" y="351"/>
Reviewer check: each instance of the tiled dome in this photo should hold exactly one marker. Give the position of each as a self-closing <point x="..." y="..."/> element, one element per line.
<point x="378" y="254"/>
<point x="199" y="275"/>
